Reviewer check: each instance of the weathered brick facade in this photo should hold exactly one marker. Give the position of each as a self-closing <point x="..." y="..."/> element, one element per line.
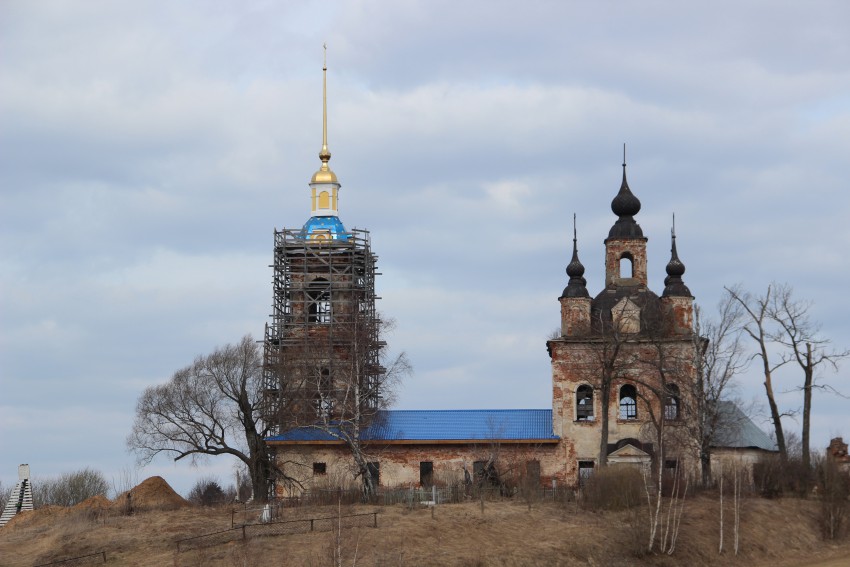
<point x="644" y="340"/>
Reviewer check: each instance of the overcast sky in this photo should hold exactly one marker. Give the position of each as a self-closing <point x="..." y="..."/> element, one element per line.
<point x="149" y="149"/>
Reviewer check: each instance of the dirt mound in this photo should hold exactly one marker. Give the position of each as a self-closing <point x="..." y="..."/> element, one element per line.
<point x="32" y="518"/>
<point x="151" y="494"/>
<point x="98" y="502"/>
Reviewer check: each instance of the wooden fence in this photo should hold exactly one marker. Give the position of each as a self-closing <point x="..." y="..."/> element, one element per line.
<point x="305" y="525"/>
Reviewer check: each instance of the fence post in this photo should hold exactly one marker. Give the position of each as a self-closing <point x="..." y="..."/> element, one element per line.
<point x="103" y="553"/>
<point x="375" y="516"/>
<point x="232" y="514"/>
<point x="243" y="533"/>
<point x="434" y="493"/>
<point x="311" y="524"/>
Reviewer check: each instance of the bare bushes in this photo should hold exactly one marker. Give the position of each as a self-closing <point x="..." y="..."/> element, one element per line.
<point x="774" y="479"/>
<point x="612" y="488"/>
<point x="69" y="489"/>
<point x="833" y="489"/>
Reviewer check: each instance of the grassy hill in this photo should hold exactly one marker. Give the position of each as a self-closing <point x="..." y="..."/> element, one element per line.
<point x="506" y="532"/>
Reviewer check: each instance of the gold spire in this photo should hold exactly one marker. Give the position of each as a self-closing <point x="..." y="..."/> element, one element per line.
<point x="324" y="175"/>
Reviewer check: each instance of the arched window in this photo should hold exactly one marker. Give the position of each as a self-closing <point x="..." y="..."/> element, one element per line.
<point x="626" y="265"/>
<point x="319" y="297"/>
<point x="584" y="403"/>
<point x="672" y="402"/>
<point x="628" y="402"/>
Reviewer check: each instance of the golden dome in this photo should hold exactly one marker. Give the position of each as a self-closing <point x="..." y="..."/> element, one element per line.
<point x="324" y="175"/>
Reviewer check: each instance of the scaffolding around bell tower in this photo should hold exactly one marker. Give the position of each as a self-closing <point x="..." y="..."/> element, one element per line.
<point x="324" y="330"/>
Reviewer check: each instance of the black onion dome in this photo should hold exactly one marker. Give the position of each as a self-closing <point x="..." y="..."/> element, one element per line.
<point x="575" y="269"/>
<point x="673" y="284"/>
<point x="625" y="205"/>
<point x="577" y="286"/>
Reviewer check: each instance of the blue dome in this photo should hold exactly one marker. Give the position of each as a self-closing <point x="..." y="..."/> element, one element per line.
<point x="330" y="226"/>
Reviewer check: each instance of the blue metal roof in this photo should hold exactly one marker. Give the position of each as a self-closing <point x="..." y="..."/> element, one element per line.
<point x="444" y="425"/>
<point x="329" y="224"/>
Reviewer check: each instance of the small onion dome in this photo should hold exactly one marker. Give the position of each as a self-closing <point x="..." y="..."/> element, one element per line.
<point x="625" y="205"/>
<point x="673" y="284"/>
<point x="577" y="286"/>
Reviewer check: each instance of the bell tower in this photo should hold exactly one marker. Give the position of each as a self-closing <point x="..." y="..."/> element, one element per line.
<point x="324" y="329"/>
<point x="606" y="384"/>
<point x="625" y="247"/>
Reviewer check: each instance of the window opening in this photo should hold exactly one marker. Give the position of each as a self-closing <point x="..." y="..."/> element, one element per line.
<point x="320" y="468"/>
<point x="628" y="402"/>
<point x="324" y="393"/>
<point x="478" y="469"/>
<point x="671" y="404"/>
<point x="626" y="266"/>
<point x="426" y="473"/>
<point x="584" y="403"/>
<point x="485" y="471"/>
<point x="319" y="296"/>
<point x="585" y="471"/>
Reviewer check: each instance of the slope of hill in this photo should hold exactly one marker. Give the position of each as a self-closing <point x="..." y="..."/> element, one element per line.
<point x="775" y="533"/>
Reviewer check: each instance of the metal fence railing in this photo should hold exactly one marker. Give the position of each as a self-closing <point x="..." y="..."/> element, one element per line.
<point x="305" y="525"/>
<point x="90" y="559"/>
<point x="452" y="494"/>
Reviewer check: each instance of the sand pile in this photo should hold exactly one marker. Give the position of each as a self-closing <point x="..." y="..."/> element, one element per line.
<point x="151" y="494"/>
<point x="98" y="502"/>
<point x="42" y="516"/>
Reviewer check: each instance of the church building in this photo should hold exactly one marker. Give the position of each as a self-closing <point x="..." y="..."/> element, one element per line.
<point x="623" y="368"/>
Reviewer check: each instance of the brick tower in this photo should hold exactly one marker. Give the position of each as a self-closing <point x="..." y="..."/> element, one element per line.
<point x="624" y="361"/>
<point x="324" y="328"/>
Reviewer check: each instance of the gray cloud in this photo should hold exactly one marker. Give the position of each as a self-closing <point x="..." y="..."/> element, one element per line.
<point x="149" y="150"/>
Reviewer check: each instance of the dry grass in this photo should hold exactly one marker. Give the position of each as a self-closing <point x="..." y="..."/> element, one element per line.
<point x="776" y="533"/>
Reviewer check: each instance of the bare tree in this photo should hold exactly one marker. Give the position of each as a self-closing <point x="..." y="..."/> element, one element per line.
<point x="610" y="358"/>
<point x="757" y="318"/>
<point x="666" y="364"/>
<point x="778" y="318"/>
<point x="803" y="345"/>
<point x="211" y="407"/>
<point x="719" y="358"/>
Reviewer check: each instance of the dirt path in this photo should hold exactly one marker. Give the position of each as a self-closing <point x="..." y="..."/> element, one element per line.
<point x="838" y="562"/>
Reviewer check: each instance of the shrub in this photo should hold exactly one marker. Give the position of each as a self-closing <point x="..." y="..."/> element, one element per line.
<point x="69" y="489"/>
<point x="833" y="489"/>
<point x="615" y="487"/>
<point x="207" y="492"/>
<point x="773" y="479"/>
